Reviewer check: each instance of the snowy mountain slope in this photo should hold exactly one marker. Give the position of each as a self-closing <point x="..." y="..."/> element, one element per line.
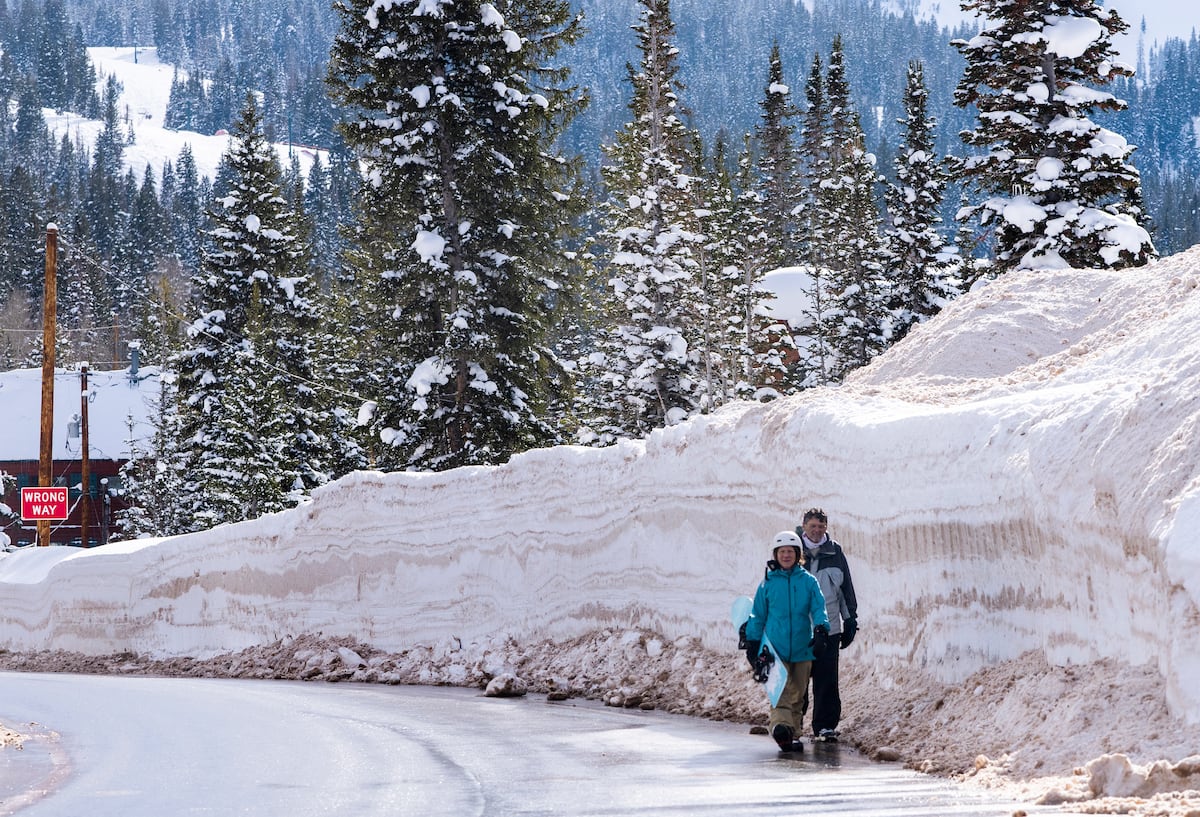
<point x="146" y="85"/>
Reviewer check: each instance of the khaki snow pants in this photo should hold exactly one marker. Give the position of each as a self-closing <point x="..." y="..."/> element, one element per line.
<point x="790" y="709"/>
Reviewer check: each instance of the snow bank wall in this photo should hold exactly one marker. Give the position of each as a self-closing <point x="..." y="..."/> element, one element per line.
<point x="1023" y="472"/>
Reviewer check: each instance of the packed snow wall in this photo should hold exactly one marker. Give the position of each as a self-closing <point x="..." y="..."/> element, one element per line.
<point x="1021" y="473"/>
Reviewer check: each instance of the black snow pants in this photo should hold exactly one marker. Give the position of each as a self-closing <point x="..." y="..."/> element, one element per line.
<point x="827" y="701"/>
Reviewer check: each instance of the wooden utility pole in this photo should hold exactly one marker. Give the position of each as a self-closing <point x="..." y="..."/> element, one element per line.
<point x="49" y="308"/>
<point x="84" y="463"/>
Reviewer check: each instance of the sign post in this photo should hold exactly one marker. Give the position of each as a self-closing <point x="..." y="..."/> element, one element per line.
<point x="44" y="504"/>
<point x="85" y="478"/>
<point x="49" y="310"/>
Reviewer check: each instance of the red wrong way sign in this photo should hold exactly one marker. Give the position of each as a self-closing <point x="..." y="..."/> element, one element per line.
<point x="43" y="503"/>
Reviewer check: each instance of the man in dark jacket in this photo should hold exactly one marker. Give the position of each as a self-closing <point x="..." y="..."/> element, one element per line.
<point x="827" y="563"/>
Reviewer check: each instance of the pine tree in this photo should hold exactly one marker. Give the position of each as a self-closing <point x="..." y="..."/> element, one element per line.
<point x="30" y="136"/>
<point x="53" y="54"/>
<point x="918" y="271"/>
<point x="144" y="240"/>
<point x="456" y="110"/>
<point x="345" y="355"/>
<point x="777" y="167"/>
<point x="760" y="337"/>
<point x="104" y="196"/>
<point x="710" y="195"/>
<point x="84" y="309"/>
<point x="846" y="250"/>
<point x="858" y="288"/>
<point x="650" y="352"/>
<point x="816" y="355"/>
<point x="252" y="439"/>
<point x="324" y="228"/>
<point x="20" y="328"/>
<point x="152" y="479"/>
<point x="1058" y="189"/>
<point x="22" y="247"/>
<point x="157" y="327"/>
<point x="186" y="102"/>
<point x="187" y="210"/>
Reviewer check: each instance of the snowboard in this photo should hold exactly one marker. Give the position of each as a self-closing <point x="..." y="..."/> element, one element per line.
<point x="777" y="674"/>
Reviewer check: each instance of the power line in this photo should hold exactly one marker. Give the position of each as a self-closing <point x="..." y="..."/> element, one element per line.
<point x="60" y="331"/>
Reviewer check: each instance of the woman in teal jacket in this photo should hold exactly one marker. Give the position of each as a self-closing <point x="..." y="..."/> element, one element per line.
<point x="790" y="610"/>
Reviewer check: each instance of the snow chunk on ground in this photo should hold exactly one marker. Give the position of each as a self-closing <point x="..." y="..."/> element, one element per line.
<point x="1116" y="776"/>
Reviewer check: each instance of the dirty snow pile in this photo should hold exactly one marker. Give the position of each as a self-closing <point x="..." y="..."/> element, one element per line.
<point x="1017" y="486"/>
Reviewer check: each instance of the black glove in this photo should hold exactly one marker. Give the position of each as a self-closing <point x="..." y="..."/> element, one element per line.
<point x="849" y="630"/>
<point x="753" y="648"/>
<point x="820" y="640"/>
<point x="761" y="666"/>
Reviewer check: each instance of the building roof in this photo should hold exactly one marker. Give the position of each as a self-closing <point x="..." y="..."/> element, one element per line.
<point x="115" y="399"/>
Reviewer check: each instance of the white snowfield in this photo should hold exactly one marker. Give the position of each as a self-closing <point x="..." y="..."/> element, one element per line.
<point x="1021" y="473"/>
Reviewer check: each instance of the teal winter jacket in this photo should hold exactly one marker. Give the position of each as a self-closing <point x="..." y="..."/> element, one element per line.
<point x="788" y="605"/>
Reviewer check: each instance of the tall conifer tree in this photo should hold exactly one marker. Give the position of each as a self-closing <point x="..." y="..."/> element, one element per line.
<point x="846" y="249"/>
<point x="777" y="167"/>
<point x="816" y="357"/>
<point x="456" y="110"/>
<point x="652" y="348"/>
<point x="252" y="441"/>
<point x="917" y="270"/>
<point x="1057" y="189"/>
<point x="760" y="339"/>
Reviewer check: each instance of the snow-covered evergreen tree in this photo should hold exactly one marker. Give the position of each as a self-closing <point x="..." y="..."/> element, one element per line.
<point x="651" y="352"/>
<point x="103" y="199"/>
<point x="456" y="108"/>
<point x="323" y="226"/>
<point x="187" y="210"/>
<point x="846" y="250"/>
<point x="737" y="342"/>
<point x="858" y="322"/>
<point x="251" y="440"/>
<point x="706" y="190"/>
<point x="1057" y="189"/>
<point x="816" y="356"/>
<point x="152" y="478"/>
<point x="345" y="354"/>
<point x="760" y="339"/>
<point x="918" y="270"/>
<point x="777" y="159"/>
<point x="158" y="326"/>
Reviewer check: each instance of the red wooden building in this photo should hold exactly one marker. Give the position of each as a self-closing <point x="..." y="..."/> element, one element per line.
<point x="103" y="499"/>
<point x="117" y="412"/>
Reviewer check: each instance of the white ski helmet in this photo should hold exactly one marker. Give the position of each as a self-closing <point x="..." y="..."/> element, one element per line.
<point x="787" y="538"/>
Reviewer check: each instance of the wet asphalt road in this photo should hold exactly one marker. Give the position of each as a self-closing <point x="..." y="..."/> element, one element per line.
<point x="140" y="747"/>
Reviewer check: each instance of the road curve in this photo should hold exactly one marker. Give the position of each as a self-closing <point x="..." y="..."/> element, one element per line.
<point x="108" y="746"/>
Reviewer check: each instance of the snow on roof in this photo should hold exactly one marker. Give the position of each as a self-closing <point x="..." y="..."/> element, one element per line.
<point x="114" y="399"/>
<point x="791" y="288"/>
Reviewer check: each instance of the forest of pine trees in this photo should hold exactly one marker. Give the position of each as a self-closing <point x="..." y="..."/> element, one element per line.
<point x="481" y="262"/>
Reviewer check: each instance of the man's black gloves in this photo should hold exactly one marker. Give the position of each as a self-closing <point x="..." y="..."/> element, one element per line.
<point x="849" y="630"/>
<point x="820" y="640"/>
